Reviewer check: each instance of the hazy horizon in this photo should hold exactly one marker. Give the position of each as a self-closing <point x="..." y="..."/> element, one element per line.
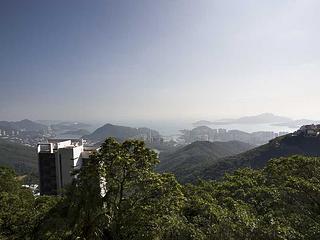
<point x="141" y="120"/>
<point x="158" y="60"/>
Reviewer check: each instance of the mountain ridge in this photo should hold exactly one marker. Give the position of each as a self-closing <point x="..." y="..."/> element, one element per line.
<point x="24" y="125"/>
<point x="120" y="132"/>
<point x="185" y="160"/>
<point x="255" y="119"/>
<point x="256" y="158"/>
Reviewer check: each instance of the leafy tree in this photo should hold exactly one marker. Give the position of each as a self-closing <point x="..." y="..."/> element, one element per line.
<point x="278" y="202"/>
<point x="117" y="195"/>
<point x="19" y="210"/>
<point x="298" y="180"/>
<point x="135" y="195"/>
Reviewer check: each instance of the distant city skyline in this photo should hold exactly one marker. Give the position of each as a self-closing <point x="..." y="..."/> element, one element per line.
<point x="140" y="60"/>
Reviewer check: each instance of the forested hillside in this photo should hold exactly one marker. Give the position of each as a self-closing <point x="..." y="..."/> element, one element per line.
<point x="258" y="157"/>
<point x="280" y="201"/>
<point x="184" y="161"/>
<point x="21" y="158"/>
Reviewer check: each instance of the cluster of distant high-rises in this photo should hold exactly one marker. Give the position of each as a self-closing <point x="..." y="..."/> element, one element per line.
<point x="9" y="132"/>
<point x="204" y="133"/>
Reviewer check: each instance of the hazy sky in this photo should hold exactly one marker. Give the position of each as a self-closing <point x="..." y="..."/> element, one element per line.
<point x="165" y="59"/>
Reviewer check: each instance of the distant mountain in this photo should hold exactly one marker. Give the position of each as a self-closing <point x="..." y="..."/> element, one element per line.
<point x="69" y="126"/>
<point x="24" y="125"/>
<point x="202" y="123"/>
<point x="121" y="133"/>
<point x="21" y="158"/>
<point x="79" y="132"/>
<point x="257" y="119"/>
<point x="257" y="158"/>
<point x="48" y="122"/>
<point x="296" y="123"/>
<point x="184" y="161"/>
<point x="262" y="118"/>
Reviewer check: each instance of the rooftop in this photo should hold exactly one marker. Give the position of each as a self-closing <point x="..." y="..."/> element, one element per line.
<point x="54" y="144"/>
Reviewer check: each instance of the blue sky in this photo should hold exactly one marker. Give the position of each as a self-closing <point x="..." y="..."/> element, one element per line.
<point x="168" y="59"/>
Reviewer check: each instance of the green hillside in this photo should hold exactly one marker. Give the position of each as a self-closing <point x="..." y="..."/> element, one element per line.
<point x="257" y="158"/>
<point x="280" y="201"/>
<point x="21" y="158"/>
<point x="185" y="161"/>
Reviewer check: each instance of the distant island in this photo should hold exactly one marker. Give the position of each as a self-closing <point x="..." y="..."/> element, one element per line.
<point x="264" y="118"/>
<point x="294" y="124"/>
<point x="122" y="133"/>
<point x="257" y="119"/>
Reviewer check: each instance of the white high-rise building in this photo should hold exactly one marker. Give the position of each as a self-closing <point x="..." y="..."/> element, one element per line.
<point x="57" y="161"/>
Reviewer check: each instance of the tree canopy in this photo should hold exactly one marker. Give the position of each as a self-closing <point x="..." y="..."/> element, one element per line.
<point x="117" y="195"/>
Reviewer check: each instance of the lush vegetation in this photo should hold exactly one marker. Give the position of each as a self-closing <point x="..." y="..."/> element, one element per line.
<point x="259" y="157"/>
<point x="22" y="159"/>
<point x="118" y="195"/>
<point x="20" y="211"/>
<point x="185" y="162"/>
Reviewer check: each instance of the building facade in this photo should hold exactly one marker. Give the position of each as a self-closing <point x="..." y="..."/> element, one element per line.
<point x="58" y="159"/>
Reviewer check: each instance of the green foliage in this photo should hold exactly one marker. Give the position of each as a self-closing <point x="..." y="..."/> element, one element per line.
<point x="257" y="158"/>
<point x="133" y="194"/>
<point x="19" y="210"/>
<point x="187" y="162"/>
<point x="278" y="202"/>
<point x="21" y="158"/>
<point x="117" y="195"/>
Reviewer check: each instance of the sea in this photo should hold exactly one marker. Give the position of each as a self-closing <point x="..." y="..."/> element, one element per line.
<point x="173" y="128"/>
<point x="168" y="128"/>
